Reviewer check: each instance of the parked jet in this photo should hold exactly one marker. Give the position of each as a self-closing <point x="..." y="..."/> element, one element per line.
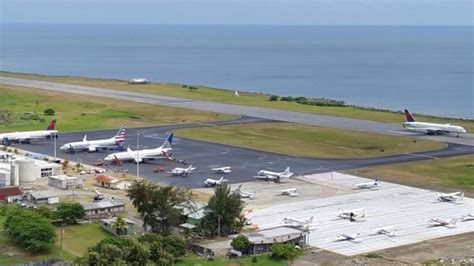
<point x="160" y="152"/>
<point x="353" y="215"/>
<point x="430" y="128"/>
<point x="386" y="230"/>
<point x="368" y="185"/>
<point x="223" y="170"/>
<point x="213" y="182"/>
<point x="26" y="137"/>
<point x="274" y="176"/>
<point x="451" y="197"/>
<point x="291" y="192"/>
<point x="442" y="222"/>
<point x="183" y="171"/>
<point x="467" y="217"/>
<point x="114" y="142"/>
<point x="348" y="237"/>
<point x="297" y="223"/>
<point x="245" y="194"/>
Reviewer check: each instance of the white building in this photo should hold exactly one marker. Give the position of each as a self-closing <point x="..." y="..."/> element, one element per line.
<point x="65" y="182"/>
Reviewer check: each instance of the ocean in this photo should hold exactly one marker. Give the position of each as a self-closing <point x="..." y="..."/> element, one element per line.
<point x="425" y="69"/>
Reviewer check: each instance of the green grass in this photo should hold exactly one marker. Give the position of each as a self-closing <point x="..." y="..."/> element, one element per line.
<point x="310" y="141"/>
<point x="262" y="260"/>
<point x="78" y="112"/>
<point x="454" y="173"/>
<point x="250" y="99"/>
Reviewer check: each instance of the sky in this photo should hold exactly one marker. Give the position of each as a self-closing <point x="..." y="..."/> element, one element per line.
<point x="253" y="12"/>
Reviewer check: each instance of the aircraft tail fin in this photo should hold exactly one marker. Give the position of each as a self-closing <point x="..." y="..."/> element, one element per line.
<point x="167" y="144"/>
<point x="409" y="116"/>
<point x="311" y="219"/>
<point x="120" y="136"/>
<point x="85" y="138"/>
<point x="454" y="221"/>
<point x="51" y="125"/>
<point x="287" y="170"/>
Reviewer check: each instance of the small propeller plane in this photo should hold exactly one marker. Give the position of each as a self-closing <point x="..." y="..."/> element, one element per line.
<point x="178" y="171"/>
<point x="450" y="197"/>
<point x="442" y="222"/>
<point x="213" y="182"/>
<point x="223" y="170"/>
<point x="274" y="176"/>
<point x="297" y="223"/>
<point x="348" y="237"/>
<point x="245" y="194"/>
<point x="352" y="215"/>
<point x="386" y="230"/>
<point x="468" y="217"/>
<point x="291" y="192"/>
<point x="367" y="185"/>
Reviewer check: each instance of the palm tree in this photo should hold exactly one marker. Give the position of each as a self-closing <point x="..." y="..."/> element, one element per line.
<point x="119" y="225"/>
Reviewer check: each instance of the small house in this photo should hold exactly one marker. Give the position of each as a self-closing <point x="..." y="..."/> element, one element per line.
<point x="10" y="194"/>
<point x="262" y="241"/>
<point x="103" y="209"/>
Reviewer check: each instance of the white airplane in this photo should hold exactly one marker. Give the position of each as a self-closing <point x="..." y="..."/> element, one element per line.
<point x="26" y="137"/>
<point x="245" y="194"/>
<point x="274" y="176"/>
<point x="430" y="128"/>
<point x="450" y="197"/>
<point x="442" y="222"/>
<point x="354" y="214"/>
<point x="297" y="223"/>
<point x="183" y="171"/>
<point x="348" y="237"/>
<point x="467" y="217"/>
<point x="291" y="192"/>
<point x="139" y="156"/>
<point x="386" y="230"/>
<point x="114" y="142"/>
<point x="368" y="185"/>
<point x="213" y="182"/>
<point x="223" y="170"/>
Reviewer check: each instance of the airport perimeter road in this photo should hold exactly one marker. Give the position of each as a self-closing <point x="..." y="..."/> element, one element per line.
<point x="205" y="155"/>
<point x="265" y="113"/>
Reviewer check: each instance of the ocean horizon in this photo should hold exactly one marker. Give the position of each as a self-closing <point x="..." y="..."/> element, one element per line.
<point x="427" y="69"/>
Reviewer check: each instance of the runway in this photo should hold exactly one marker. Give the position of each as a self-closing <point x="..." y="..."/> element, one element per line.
<point x="205" y="155"/>
<point x="264" y="113"/>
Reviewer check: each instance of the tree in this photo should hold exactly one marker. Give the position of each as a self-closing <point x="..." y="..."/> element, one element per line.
<point x="70" y="212"/>
<point x="224" y="210"/>
<point x="30" y="230"/>
<point x="119" y="225"/>
<point x="282" y="251"/>
<point x="240" y="243"/>
<point x="273" y="98"/>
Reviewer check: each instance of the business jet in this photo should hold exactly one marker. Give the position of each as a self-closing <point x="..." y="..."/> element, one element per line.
<point x="386" y="230"/>
<point x="307" y="224"/>
<point x="442" y="222"/>
<point x="139" y="156"/>
<point x="274" y="176"/>
<point x="183" y="171"/>
<point x="368" y="185"/>
<point x="26" y="137"/>
<point x="291" y="192"/>
<point x="214" y="182"/>
<point x="352" y="215"/>
<point x="430" y="128"/>
<point x="450" y="197"/>
<point x="348" y="237"/>
<point x="244" y="193"/>
<point x="114" y="142"/>
<point x="223" y="170"/>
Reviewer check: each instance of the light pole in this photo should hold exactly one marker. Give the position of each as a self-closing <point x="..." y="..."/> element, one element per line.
<point x="138" y="157"/>
<point x="54" y="141"/>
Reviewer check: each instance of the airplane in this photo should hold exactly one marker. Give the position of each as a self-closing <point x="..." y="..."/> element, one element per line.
<point x="297" y="223"/>
<point x="26" y="137"/>
<point x="291" y="192"/>
<point x="367" y="185"/>
<point x="467" y="217"/>
<point x="442" y="222"/>
<point x="386" y="230"/>
<point x="353" y="215"/>
<point x="430" y="128"/>
<point x="139" y="156"/>
<point x="96" y="145"/>
<point x="183" y="171"/>
<point x="274" y="176"/>
<point x="245" y="194"/>
<point x="213" y="182"/>
<point x="450" y="197"/>
<point x="348" y="237"/>
<point x="223" y="170"/>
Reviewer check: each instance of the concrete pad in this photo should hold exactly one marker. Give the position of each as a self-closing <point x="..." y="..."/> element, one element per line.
<point x="406" y="208"/>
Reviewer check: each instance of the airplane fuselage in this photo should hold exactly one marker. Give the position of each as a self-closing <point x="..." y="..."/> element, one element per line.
<point x="86" y="145"/>
<point x="28" y="135"/>
<point x="433" y="128"/>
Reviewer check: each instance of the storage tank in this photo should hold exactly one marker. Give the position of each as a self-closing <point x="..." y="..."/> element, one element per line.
<point x="27" y="171"/>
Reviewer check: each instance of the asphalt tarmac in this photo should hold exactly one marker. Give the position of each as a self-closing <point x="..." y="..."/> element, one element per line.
<point x="264" y="113"/>
<point x="205" y="155"/>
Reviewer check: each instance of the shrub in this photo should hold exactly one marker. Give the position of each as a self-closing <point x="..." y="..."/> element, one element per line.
<point x="240" y="243"/>
<point x="282" y="251"/>
<point x="287" y="99"/>
<point x="192" y="88"/>
<point x="273" y="98"/>
<point x="49" y="112"/>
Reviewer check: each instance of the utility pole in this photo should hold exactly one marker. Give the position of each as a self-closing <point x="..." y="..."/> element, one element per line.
<point x="138" y="157"/>
<point x="61" y="240"/>
<point x="219" y="225"/>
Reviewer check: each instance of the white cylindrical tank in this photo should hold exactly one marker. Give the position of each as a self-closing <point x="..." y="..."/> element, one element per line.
<point x="26" y="171"/>
<point x="14" y="175"/>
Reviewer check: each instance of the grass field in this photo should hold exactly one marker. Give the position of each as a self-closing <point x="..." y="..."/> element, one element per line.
<point x="227" y="96"/>
<point x="263" y="260"/>
<point x="310" y="141"/>
<point x="78" y="112"/>
<point x="453" y="174"/>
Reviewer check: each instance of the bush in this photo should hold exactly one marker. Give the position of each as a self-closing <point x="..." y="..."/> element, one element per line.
<point x="287" y="99"/>
<point x="240" y="243"/>
<point x="192" y="88"/>
<point x="49" y="112"/>
<point x="273" y="98"/>
<point x="282" y="251"/>
<point x="70" y="212"/>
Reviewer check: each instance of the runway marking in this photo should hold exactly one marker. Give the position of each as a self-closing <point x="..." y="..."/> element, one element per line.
<point x="423" y="156"/>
